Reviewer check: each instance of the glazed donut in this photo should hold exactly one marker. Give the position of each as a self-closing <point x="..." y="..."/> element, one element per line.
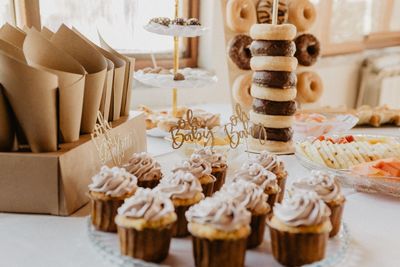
<point x="239" y="51"/>
<point x="273" y="94"/>
<point x="275" y="79"/>
<point x="282" y="135"/>
<point x="268" y="107"/>
<point x="302" y="14"/>
<point x="240" y="15"/>
<point x="271" y="121"/>
<point x="273" y="63"/>
<point x="264" y="11"/>
<point x="307" y="49"/>
<point x="270" y="32"/>
<point x="273" y="48"/>
<point x="309" y="87"/>
<point x="271" y="146"/>
<point x="241" y="90"/>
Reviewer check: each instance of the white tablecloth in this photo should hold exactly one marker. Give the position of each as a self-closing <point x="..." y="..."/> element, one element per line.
<point x="38" y="240"/>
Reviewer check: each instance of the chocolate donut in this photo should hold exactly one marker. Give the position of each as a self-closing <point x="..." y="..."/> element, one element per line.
<point x="239" y="51"/>
<point x="264" y="11"/>
<point x="307" y="49"/>
<point x="275" y="79"/>
<point x="282" y="135"/>
<point x="273" y="48"/>
<point x="268" y="107"/>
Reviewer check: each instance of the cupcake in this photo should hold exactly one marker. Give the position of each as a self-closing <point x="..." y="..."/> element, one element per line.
<point x="254" y="199"/>
<point x="145" y="168"/>
<point x="218" y="165"/>
<point x="255" y="173"/>
<point x="273" y="164"/>
<point x="201" y="169"/>
<point x="328" y="189"/>
<point x="219" y="229"/>
<point x="184" y="190"/>
<point x="145" y="223"/>
<point x="107" y="192"/>
<point x="299" y="229"/>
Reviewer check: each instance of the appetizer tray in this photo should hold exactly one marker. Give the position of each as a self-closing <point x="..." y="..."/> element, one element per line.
<point x="345" y="160"/>
<point x="175" y="30"/>
<point x="180" y="253"/>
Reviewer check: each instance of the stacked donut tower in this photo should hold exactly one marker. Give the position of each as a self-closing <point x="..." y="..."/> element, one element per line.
<point x="273" y="85"/>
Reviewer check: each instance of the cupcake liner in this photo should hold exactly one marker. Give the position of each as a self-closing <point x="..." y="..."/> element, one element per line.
<point x="336" y="217"/>
<point x="272" y="199"/>
<point x="296" y="249"/>
<point x="148" y="183"/>
<point x="179" y="229"/>
<point x="257" y="225"/>
<point x="218" y="252"/>
<point x="220" y="175"/>
<point x="148" y="244"/>
<point x="103" y="213"/>
<point x="208" y="189"/>
<point x="282" y="185"/>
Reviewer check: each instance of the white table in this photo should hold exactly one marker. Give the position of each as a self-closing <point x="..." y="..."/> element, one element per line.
<point x="38" y="240"/>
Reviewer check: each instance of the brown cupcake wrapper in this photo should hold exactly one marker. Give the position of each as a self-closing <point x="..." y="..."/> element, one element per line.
<point x="148" y="244"/>
<point x="336" y="218"/>
<point x="257" y="225"/>
<point x="272" y="199"/>
<point x="220" y="176"/>
<point x="282" y="186"/>
<point x="103" y="214"/>
<point x="179" y="229"/>
<point x="219" y="253"/>
<point x="208" y="189"/>
<point x="296" y="249"/>
<point x="148" y="183"/>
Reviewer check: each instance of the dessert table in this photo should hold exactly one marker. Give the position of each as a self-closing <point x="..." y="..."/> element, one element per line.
<point x="41" y="240"/>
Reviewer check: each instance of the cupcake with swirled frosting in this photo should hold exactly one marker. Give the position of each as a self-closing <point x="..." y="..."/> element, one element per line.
<point x="255" y="173"/>
<point x="254" y="199"/>
<point x="184" y="190"/>
<point x="300" y="228"/>
<point x="218" y="165"/>
<point x="329" y="190"/>
<point x="145" y="168"/>
<point x="219" y="229"/>
<point x="145" y="223"/>
<point x="107" y="192"/>
<point x="273" y="164"/>
<point x="201" y="169"/>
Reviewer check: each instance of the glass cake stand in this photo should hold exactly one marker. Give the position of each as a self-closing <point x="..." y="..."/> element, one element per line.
<point x="181" y="251"/>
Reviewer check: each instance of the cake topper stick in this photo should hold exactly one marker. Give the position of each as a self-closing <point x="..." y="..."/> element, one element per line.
<point x="275" y="7"/>
<point x="153" y="60"/>
<point x="176" y="63"/>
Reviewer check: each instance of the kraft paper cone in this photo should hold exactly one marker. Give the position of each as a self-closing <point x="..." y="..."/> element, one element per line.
<point x="117" y="82"/>
<point x="95" y="65"/>
<point x="12" y="35"/>
<point x="46" y="33"/>
<point x="128" y="80"/>
<point x="32" y="94"/>
<point x="7" y="127"/>
<point x="107" y="91"/>
<point x="12" y="50"/>
<point x="41" y="53"/>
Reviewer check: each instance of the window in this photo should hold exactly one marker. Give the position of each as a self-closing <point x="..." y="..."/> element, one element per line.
<point x="6" y="12"/>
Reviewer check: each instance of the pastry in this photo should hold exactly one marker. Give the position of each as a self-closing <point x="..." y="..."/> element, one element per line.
<point x="193" y="22"/>
<point x="273" y="48"/>
<point x="219" y="229"/>
<point x="201" y="169"/>
<point x="307" y="49"/>
<point x="309" y="87"/>
<point x="145" y="223"/>
<point x="273" y="63"/>
<point x="264" y="11"/>
<point x="269" y="32"/>
<point x="275" y="79"/>
<point x="178" y="21"/>
<point x="107" y="192"/>
<point x="179" y="76"/>
<point x="329" y="190"/>
<point x="240" y="15"/>
<point x="161" y="21"/>
<point x="302" y="14"/>
<point x="273" y="94"/>
<point x="239" y="51"/>
<point x="241" y="90"/>
<point x="299" y="229"/>
<point x="255" y="173"/>
<point x="268" y="107"/>
<point x="255" y="200"/>
<point x="145" y="168"/>
<point x="184" y="190"/>
<point x="218" y="163"/>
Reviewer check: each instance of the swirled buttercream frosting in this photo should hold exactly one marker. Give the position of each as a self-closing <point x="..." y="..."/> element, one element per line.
<point x="181" y="185"/>
<point x="196" y="165"/>
<point x="255" y="173"/>
<point x="270" y="162"/>
<point x="144" y="167"/>
<point x="217" y="160"/>
<point x="113" y="182"/>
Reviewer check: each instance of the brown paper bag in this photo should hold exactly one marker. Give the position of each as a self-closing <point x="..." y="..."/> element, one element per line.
<point x="41" y="53"/>
<point x="32" y="96"/>
<point x="12" y="35"/>
<point x="95" y="65"/>
<point x="7" y="127"/>
<point x="128" y="80"/>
